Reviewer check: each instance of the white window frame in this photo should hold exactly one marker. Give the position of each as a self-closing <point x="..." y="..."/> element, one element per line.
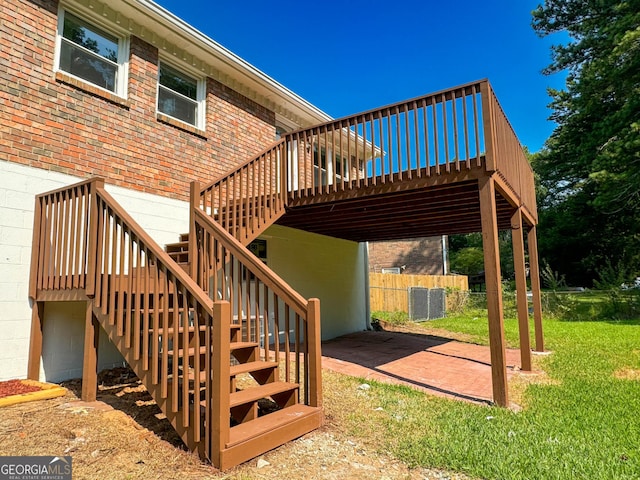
<point x="122" y="73"/>
<point x="201" y="93"/>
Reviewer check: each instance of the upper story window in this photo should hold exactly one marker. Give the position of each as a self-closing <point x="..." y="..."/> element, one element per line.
<point x="91" y="54"/>
<point x="181" y="96"/>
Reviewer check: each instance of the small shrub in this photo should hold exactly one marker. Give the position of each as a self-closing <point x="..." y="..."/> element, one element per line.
<point x="551" y="279"/>
<point x="457" y="300"/>
<point x="561" y="306"/>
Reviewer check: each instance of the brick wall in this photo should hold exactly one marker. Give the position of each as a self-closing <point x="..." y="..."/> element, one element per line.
<point x="53" y="122"/>
<point x="421" y="256"/>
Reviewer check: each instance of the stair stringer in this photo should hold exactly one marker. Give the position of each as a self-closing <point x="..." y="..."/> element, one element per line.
<point x="176" y="418"/>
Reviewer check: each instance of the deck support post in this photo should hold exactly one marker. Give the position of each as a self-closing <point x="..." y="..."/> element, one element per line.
<point x="517" y="241"/>
<point x="90" y="355"/>
<point x="534" y="272"/>
<point x="488" y="214"/>
<point x="35" y="341"/>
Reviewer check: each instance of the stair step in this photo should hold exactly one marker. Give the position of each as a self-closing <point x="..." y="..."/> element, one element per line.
<point x="251" y="367"/>
<point x="171" y="330"/>
<point x="191" y="352"/>
<point x="242" y="345"/>
<point x="241" y="368"/>
<point x="184" y="237"/>
<point x="177" y="247"/>
<point x="203" y="349"/>
<point x="267" y="423"/>
<point x="253" y="394"/>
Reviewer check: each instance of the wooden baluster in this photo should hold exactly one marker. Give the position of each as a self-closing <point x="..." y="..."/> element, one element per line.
<point x="436" y="146"/>
<point x="175" y="359"/>
<point x="425" y="126"/>
<point x="197" y="381"/>
<point x="112" y="276"/>
<point x="398" y="143"/>
<point x="130" y="291"/>
<point x="383" y="175"/>
<point x="139" y="301"/>
<point x="122" y="292"/>
<point x="476" y="124"/>
<point x="416" y="129"/>
<point x="445" y="131"/>
<point x="467" y="158"/>
<point x="407" y="142"/>
<point x="65" y="240"/>
<point x="456" y="147"/>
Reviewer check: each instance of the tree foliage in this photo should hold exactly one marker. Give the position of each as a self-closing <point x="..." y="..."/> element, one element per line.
<point x="467" y="257"/>
<point x="590" y="167"/>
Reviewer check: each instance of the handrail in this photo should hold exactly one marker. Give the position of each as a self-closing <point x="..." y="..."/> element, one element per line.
<point x="155" y="314"/>
<point x="158" y="252"/>
<point x="257" y="268"/>
<point x="266" y="310"/>
<point x="250" y="197"/>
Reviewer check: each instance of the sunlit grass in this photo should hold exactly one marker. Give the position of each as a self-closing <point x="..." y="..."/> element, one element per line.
<point x="583" y="424"/>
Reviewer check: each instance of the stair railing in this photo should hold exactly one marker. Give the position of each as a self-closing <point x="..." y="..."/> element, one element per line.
<point x="151" y="309"/>
<point x="268" y="311"/>
<point x="247" y="199"/>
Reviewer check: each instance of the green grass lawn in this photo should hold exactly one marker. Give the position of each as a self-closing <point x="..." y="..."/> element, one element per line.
<point x="584" y="423"/>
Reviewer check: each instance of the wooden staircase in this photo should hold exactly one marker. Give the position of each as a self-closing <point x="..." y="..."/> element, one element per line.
<point x="237" y="376"/>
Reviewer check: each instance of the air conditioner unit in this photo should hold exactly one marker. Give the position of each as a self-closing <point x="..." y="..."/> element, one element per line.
<point x="426" y="303"/>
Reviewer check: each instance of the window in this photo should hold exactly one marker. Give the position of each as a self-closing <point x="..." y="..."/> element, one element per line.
<point x="323" y="172"/>
<point x="391" y="270"/>
<point x="91" y="54"/>
<point x="180" y="96"/>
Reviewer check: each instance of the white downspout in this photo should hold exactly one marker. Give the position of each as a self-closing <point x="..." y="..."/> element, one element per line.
<point x="445" y="255"/>
<point x="367" y="294"/>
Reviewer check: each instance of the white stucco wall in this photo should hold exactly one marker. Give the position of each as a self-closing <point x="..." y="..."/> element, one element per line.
<point x="327" y="268"/>
<point x="162" y="218"/>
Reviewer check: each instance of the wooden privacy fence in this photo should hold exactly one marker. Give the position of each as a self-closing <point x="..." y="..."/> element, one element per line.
<point x="388" y="292"/>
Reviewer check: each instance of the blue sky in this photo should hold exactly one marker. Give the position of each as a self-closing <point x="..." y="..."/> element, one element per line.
<point x="349" y="56"/>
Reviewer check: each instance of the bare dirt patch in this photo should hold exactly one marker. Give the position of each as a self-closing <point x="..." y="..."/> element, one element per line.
<point x="125" y="436"/>
<point x="627" y="374"/>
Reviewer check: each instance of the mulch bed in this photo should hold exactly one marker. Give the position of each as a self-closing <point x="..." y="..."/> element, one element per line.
<point x="16" y="387"/>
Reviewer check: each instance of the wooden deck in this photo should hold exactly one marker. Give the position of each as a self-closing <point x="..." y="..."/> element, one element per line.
<point x="445" y="163"/>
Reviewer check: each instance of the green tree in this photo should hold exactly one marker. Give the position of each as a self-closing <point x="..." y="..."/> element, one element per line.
<point x="590" y="167"/>
<point x="467" y="257"/>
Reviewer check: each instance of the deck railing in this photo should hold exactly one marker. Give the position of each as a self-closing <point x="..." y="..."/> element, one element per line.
<point x="505" y="153"/>
<point x="60" y="248"/>
<point x="448" y="131"/>
<point x="438" y="133"/>
<point x="265" y="309"/>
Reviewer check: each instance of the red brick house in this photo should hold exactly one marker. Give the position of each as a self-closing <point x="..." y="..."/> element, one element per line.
<point x="189" y="209"/>
<point x="415" y="256"/>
